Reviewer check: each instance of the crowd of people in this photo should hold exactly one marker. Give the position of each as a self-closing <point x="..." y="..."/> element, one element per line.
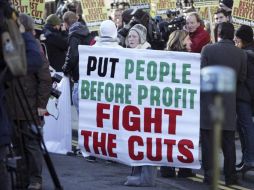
<point x="136" y="29"/>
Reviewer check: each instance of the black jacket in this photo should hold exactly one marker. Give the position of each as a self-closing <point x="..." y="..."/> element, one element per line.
<point x="57" y="45"/>
<point x="245" y="91"/>
<point x="78" y="35"/>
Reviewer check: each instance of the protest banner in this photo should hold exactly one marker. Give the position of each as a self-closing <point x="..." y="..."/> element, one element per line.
<point x="22" y="6"/>
<point x="94" y="12"/>
<point x="37" y="8"/>
<point x="34" y="8"/>
<point x="205" y="3"/>
<point x="243" y="12"/>
<point x="160" y="7"/>
<point x="139" y="107"/>
<point x="140" y="4"/>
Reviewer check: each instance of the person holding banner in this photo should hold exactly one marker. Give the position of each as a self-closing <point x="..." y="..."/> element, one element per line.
<point x="108" y="35"/>
<point x="179" y="40"/>
<point x="78" y="35"/>
<point x="141" y="175"/>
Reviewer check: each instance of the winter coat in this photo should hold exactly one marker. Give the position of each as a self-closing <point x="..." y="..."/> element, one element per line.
<point x="245" y="90"/>
<point x="56" y="43"/>
<point x="199" y="38"/>
<point x="107" y="42"/>
<point x="37" y="88"/>
<point x="34" y="63"/>
<point x="223" y="53"/>
<point x="78" y="35"/>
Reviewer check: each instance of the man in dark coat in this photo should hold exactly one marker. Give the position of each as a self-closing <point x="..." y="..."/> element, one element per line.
<point x="245" y="95"/>
<point x="78" y="35"/>
<point x="222" y="53"/>
<point x="56" y="42"/>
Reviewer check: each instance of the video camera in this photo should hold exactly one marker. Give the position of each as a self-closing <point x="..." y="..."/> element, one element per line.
<point x="12" y="44"/>
<point x="56" y="78"/>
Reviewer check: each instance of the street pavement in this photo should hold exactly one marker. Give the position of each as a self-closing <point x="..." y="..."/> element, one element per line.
<point x="75" y="173"/>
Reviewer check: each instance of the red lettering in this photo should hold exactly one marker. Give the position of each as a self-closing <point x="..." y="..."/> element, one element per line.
<point x="172" y="120"/>
<point x="127" y="119"/>
<point x="116" y="117"/>
<point x="169" y="144"/>
<point x="86" y="135"/>
<point x="156" y="120"/>
<point x="131" y="142"/>
<point x="100" y="115"/>
<point x="158" y="156"/>
<point x="111" y="145"/>
<point x="184" y="146"/>
<point x="99" y="144"/>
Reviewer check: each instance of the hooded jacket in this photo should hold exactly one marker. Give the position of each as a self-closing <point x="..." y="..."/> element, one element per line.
<point x="245" y="90"/>
<point x="78" y="35"/>
<point x="56" y="43"/>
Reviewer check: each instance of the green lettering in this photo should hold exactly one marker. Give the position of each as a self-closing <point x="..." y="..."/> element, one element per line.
<point x="142" y="93"/>
<point x="174" y="79"/>
<point x="140" y="68"/>
<point x="100" y="90"/>
<point x="155" y="96"/>
<point x="129" y="68"/>
<point x="184" y="98"/>
<point x="119" y="93"/>
<point x="127" y="94"/>
<point x="85" y="89"/>
<point x="192" y="93"/>
<point x="109" y="92"/>
<point x="177" y="96"/>
<point x="164" y="70"/>
<point x="151" y="70"/>
<point x="93" y="90"/>
<point x="167" y="96"/>
<point x="186" y="72"/>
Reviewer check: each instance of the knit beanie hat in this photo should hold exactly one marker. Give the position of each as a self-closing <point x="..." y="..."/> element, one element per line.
<point x="245" y="33"/>
<point x="53" y="20"/>
<point x="227" y="4"/>
<point x="142" y="32"/>
<point x="108" y="29"/>
<point x="27" y="21"/>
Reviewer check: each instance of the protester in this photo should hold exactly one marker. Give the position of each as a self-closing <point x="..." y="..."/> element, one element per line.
<point x="222" y="53"/>
<point x="199" y="37"/>
<point x="37" y="87"/>
<point x="244" y="103"/>
<point x="78" y="35"/>
<point x="141" y="175"/>
<point x="220" y="16"/>
<point x="227" y="5"/>
<point x="108" y="35"/>
<point x="117" y="18"/>
<point x="56" y="42"/>
<point x="179" y="40"/>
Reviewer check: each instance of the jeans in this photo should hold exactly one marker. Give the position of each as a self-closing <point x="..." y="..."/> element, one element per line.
<point x="75" y="98"/>
<point x="246" y="130"/>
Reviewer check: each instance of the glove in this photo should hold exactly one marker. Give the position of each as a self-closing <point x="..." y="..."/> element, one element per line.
<point x="41" y="111"/>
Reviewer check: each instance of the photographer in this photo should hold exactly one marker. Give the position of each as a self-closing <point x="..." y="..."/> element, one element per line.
<point x="37" y="87"/>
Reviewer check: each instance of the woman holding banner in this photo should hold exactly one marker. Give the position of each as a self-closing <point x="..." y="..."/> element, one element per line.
<point x="179" y="40"/>
<point x="141" y="175"/>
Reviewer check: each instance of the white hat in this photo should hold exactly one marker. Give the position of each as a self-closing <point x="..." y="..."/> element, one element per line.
<point x="108" y="29"/>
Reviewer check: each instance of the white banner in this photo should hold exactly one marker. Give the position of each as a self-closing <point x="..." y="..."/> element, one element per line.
<point x="57" y="128"/>
<point x="139" y="107"/>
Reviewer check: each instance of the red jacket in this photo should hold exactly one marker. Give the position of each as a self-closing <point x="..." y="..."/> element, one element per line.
<point x="199" y="38"/>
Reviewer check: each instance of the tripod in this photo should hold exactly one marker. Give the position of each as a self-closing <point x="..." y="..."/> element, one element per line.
<point x="37" y="133"/>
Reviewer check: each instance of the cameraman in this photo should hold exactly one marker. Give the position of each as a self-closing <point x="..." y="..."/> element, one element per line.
<point x="37" y="87"/>
<point x="34" y="62"/>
